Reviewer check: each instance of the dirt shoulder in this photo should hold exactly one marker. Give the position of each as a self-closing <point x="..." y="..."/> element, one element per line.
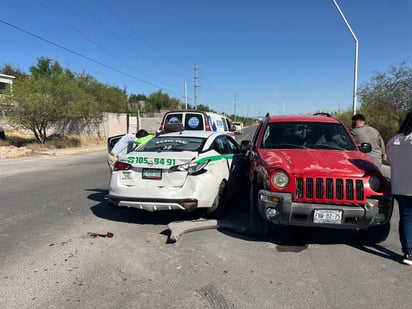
<point x="15" y="152"/>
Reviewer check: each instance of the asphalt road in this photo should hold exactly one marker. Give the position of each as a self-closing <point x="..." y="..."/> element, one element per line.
<point x="49" y="258"/>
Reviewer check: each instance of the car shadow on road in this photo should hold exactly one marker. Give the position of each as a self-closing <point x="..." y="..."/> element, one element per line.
<point x="297" y="239"/>
<point x="133" y="215"/>
<point x="286" y="238"/>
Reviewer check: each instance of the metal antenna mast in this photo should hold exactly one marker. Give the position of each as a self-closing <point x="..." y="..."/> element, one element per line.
<point x="185" y="95"/>
<point x="283" y="103"/>
<point x="235" y="103"/>
<point x="195" y="84"/>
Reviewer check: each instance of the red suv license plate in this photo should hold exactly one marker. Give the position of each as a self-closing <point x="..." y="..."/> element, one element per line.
<point x="327" y="216"/>
<point x="151" y="173"/>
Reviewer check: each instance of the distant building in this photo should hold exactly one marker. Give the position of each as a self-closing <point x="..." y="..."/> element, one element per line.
<point x="5" y="80"/>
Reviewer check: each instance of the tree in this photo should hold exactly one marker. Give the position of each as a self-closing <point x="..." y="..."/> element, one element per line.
<point x="46" y="68"/>
<point x="159" y="100"/>
<point x="205" y="108"/>
<point x="387" y="98"/>
<point x="8" y="69"/>
<point x="48" y="96"/>
<point x="136" y="98"/>
<point x="110" y="99"/>
<point x="33" y="106"/>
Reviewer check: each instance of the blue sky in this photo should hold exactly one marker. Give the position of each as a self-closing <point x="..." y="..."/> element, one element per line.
<point x="253" y="57"/>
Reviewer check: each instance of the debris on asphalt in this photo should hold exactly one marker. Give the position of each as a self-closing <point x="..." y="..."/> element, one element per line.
<point x="62" y="243"/>
<point x="179" y="228"/>
<point x="97" y="235"/>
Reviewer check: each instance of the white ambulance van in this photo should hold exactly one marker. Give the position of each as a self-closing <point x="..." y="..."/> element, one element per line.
<point x="198" y="120"/>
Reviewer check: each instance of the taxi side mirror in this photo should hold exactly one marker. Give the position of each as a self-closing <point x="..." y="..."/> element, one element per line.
<point x="245" y="146"/>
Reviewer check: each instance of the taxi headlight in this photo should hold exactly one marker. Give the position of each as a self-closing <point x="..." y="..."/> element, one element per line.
<point x="375" y="183"/>
<point x="280" y="179"/>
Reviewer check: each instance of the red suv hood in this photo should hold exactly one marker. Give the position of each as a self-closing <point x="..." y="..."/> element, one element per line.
<point x="319" y="162"/>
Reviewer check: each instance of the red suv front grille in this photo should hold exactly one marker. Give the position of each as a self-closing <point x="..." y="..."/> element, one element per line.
<point x="331" y="190"/>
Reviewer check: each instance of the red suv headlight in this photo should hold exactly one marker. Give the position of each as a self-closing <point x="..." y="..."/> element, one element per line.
<point x="375" y="183"/>
<point x="280" y="179"/>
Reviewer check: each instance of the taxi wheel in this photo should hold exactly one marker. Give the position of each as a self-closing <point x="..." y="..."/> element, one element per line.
<point x="217" y="209"/>
<point x="110" y="204"/>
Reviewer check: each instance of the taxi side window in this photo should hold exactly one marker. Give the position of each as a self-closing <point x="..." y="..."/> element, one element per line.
<point x="232" y="146"/>
<point x="221" y="146"/>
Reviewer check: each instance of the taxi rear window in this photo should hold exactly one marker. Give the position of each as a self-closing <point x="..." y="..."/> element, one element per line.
<point x="178" y="143"/>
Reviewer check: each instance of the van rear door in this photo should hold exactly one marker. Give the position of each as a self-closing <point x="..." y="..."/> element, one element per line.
<point x="194" y="121"/>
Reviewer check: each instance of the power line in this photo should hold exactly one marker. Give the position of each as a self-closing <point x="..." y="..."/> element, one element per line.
<point x="85" y="57"/>
<point x="211" y="94"/>
<point x="95" y="43"/>
<point x="133" y="31"/>
<point x="124" y="42"/>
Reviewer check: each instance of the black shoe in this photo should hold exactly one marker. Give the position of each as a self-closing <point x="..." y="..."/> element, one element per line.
<point x="407" y="259"/>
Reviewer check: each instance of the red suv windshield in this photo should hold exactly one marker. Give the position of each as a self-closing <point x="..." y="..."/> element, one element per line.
<point x="315" y="135"/>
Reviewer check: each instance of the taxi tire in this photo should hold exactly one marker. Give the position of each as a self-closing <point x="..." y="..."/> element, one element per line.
<point x="109" y="204"/>
<point x="257" y="225"/>
<point x="217" y="209"/>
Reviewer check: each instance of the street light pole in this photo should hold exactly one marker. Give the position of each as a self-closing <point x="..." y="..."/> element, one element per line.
<point x="185" y="95"/>
<point x="283" y="103"/>
<point x="355" y="77"/>
<point x="235" y="103"/>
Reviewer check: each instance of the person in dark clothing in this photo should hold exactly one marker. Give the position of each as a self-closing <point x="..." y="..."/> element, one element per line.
<point x="364" y="133"/>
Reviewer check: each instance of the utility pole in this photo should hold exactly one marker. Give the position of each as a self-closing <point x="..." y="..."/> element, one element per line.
<point x="185" y="95"/>
<point x="235" y="103"/>
<point x="195" y="83"/>
<point x="283" y="103"/>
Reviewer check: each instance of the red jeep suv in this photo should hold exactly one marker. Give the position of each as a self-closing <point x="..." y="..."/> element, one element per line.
<point x="306" y="170"/>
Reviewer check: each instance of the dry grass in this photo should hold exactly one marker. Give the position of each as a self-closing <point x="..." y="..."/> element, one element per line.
<point x="21" y="139"/>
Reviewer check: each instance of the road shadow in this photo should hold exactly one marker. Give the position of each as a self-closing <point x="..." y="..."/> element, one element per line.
<point x="235" y="224"/>
<point x="296" y="239"/>
<point x="133" y="215"/>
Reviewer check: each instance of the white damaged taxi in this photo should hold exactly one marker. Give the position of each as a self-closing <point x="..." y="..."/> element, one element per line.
<point x="184" y="170"/>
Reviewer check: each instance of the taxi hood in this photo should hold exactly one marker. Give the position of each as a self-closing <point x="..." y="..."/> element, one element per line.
<point x="319" y="162"/>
